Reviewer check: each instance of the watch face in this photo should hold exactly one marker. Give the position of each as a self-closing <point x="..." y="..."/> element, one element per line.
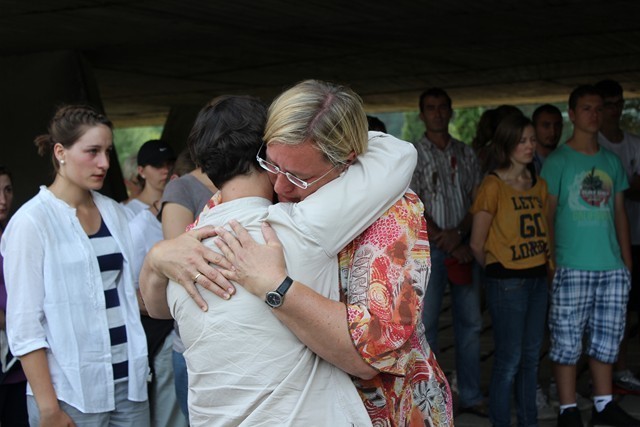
<point x="274" y="299"/>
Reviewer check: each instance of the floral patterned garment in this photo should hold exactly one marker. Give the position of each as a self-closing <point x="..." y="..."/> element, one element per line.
<point x="383" y="277"/>
<point x="214" y="201"/>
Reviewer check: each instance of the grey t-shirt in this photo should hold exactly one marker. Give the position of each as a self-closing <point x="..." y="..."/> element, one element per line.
<point x="187" y="191"/>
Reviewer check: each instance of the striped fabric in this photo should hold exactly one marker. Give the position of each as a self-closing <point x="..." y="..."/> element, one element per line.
<point x="445" y="179"/>
<point x="110" y="261"/>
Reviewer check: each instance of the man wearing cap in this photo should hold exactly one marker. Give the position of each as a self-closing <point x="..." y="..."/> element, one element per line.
<point x="155" y="160"/>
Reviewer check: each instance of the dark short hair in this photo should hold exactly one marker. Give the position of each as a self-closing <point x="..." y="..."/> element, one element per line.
<point x="582" y="91"/>
<point x="5" y="171"/>
<point x="545" y="108"/>
<point x="376" y="124"/>
<point x="609" y="88"/>
<point x="226" y="137"/>
<point x="435" y="92"/>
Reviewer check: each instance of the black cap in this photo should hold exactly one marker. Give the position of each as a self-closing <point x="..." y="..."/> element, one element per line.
<point x="155" y="153"/>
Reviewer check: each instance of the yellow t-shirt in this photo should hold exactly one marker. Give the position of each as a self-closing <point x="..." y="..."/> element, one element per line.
<point x="518" y="236"/>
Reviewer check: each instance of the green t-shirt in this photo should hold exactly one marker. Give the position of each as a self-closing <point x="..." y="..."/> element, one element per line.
<point x="585" y="185"/>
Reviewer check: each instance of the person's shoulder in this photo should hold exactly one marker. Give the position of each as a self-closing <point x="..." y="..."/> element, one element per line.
<point x="38" y="205"/>
<point x="106" y="200"/>
<point x="465" y="148"/>
<point x="558" y="155"/>
<point x="609" y="155"/>
<point x="178" y="184"/>
<point x="632" y="138"/>
<point x="540" y="185"/>
<point x="491" y="180"/>
<point x="633" y="141"/>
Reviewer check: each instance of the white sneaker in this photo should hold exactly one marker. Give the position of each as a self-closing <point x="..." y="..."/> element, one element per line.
<point x="545" y="411"/>
<point x="624" y="382"/>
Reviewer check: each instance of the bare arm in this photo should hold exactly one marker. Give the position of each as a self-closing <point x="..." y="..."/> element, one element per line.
<point x="182" y="259"/>
<point x="481" y="224"/>
<point x="552" y="205"/>
<point x="175" y="219"/>
<point x="320" y="323"/>
<point x="36" y="368"/>
<point x="622" y="230"/>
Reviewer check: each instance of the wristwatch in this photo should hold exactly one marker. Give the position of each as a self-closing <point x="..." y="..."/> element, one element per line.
<point x="274" y="299"/>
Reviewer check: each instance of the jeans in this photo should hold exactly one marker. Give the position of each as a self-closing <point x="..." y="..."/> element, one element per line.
<point x="181" y="381"/>
<point x="126" y="414"/>
<point x="467" y="323"/>
<point x="518" y="310"/>
<point x="163" y="399"/>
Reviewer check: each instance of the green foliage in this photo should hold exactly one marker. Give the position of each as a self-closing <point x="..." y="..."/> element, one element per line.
<point x="129" y="140"/>
<point x="413" y="128"/>
<point x="630" y="120"/>
<point x="464" y="123"/>
<point x="462" y="126"/>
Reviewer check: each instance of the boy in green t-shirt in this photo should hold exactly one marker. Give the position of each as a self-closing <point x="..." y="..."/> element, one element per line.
<point x="590" y="232"/>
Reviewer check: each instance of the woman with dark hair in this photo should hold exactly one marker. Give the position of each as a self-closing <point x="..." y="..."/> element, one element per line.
<point x="509" y="238"/>
<point x="13" y="383"/>
<point x="72" y="312"/>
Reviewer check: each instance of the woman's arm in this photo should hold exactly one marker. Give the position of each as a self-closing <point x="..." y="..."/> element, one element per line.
<point x="175" y="219"/>
<point x="552" y="205"/>
<point x="342" y="209"/>
<point x="320" y="323"/>
<point x="182" y="259"/>
<point x="24" y="251"/>
<point x="36" y="368"/>
<point x="479" y="232"/>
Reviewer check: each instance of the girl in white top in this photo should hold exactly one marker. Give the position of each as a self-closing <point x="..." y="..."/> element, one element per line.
<point x="70" y="289"/>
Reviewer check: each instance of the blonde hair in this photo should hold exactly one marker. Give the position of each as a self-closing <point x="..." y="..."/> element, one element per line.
<point x="330" y="116"/>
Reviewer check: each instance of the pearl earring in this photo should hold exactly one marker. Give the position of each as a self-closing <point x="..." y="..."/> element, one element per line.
<point x="62" y="161"/>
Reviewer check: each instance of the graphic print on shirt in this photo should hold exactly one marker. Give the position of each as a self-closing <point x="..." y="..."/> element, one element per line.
<point x="532" y="227"/>
<point x="590" y="196"/>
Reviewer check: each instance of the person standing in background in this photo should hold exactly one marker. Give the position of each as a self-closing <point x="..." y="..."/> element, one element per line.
<point x="13" y="383"/>
<point x="509" y="239"/>
<point x="547" y="121"/>
<point x="627" y="147"/>
<point x="72" y="312"/>
<point x="155" y="162"/>
<point x="445" y="179"/>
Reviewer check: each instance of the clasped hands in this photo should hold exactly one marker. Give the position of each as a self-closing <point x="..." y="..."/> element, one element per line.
<point x="259" y="268"/>
<point x="451" y="242"/>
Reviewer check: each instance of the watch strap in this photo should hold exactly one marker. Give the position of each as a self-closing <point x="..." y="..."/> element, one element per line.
<point x="285" y="285"/>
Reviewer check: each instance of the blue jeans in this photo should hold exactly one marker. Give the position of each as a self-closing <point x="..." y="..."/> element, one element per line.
<point x="467" y="323"/>
<point x="181" y="381"/>
<point x="518" y="309"/>
<point x="126" y="414"/>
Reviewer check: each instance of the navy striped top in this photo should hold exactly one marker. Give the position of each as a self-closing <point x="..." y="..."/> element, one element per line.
<point x="110" y="261"/>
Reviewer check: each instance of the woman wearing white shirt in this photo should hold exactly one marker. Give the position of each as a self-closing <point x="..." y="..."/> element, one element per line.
<point x="70" y="287"/>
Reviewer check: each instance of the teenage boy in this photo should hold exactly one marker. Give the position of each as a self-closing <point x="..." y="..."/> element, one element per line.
<point x="591" y="285"/>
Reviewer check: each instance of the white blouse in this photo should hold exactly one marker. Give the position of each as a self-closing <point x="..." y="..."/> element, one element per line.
<point x="56" y="300"/>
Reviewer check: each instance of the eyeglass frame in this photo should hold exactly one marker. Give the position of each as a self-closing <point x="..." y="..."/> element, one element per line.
<point x="298" y="182"/>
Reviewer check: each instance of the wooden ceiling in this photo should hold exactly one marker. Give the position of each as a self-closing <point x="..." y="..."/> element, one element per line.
<point x="150" y="55"/>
